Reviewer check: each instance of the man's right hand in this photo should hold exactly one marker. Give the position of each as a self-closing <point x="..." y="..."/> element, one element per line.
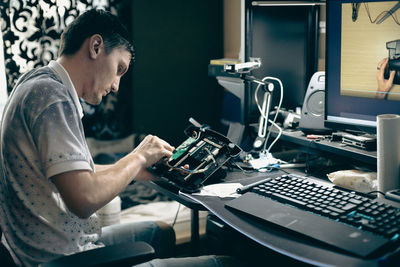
<point x="151" y="150"/>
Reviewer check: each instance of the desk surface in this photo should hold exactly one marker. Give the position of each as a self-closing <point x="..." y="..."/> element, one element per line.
<point x="286" y="243"/>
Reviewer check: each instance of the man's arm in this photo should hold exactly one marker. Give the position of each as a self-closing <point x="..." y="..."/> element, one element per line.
<point x="84" y="192"/>
<point x="102" y="167"/>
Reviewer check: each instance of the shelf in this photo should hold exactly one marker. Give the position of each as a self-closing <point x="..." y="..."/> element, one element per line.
<point x="336" y="148"/>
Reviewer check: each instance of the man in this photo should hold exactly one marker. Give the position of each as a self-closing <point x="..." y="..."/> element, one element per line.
<point x="50" y="187"/>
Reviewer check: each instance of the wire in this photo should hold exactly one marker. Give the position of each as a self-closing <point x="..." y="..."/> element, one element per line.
<point x="376" y="191"/>
<point x="211" y="156"/>
<point x="182" y="169"/>
<point x="270" y="168"/>
<point x="393" y="15"/>
<point x="240" y="168"/>
<point x="276" y="138"/>
<point x="176" y="215"/>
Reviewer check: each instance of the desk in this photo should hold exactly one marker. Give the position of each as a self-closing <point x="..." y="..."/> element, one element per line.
<point x="274" y="238"/>
<point x="291" y="245"/>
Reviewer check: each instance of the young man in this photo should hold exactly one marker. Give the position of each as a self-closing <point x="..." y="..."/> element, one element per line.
<point x="49" y="185"/>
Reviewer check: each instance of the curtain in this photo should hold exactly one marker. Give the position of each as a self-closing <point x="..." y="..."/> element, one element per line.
<point x="32" y="28"/>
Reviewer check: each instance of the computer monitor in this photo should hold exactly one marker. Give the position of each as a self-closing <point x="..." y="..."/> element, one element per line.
<point x="359" y="36"/>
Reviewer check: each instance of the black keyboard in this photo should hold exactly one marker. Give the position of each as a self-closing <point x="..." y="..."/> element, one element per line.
<point x="344" y="219"/>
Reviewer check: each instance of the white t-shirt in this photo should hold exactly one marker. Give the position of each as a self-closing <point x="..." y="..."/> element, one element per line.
<point x="42" y="135"/>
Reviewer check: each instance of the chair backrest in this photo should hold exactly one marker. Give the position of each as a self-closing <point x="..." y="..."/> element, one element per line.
<point x="5" y="257"/>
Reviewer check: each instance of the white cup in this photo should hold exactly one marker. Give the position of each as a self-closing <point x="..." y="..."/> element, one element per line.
<point x="110" y="213"/>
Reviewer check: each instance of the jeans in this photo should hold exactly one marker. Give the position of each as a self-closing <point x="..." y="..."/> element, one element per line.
<point x="200" y="261"/>
<point x="149" y="232"/>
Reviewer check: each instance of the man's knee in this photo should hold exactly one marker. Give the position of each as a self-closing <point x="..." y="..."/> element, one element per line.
<point x="200" y="261"/>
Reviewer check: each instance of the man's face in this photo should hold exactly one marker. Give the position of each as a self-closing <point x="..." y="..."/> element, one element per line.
<point x="106" y="74"/>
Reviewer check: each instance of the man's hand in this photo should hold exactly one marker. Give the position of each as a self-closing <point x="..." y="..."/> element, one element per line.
<point x="151" y="150"/>
<point x="383" y="84"/>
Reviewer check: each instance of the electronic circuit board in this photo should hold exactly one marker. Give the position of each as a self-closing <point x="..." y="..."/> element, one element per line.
<point x="196" y="159"/>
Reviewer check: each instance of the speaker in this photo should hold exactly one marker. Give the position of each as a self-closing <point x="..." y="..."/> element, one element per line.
<point x="313" y="110"/>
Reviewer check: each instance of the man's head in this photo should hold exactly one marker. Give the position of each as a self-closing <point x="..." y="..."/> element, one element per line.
<point x="96" y="52"/>
<point x="95" y="21"/>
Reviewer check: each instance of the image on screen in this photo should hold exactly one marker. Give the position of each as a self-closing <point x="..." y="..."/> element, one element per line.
<point x="365" y="43"/>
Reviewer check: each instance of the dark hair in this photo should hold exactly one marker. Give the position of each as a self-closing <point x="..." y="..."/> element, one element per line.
<point x="95" y="21"/>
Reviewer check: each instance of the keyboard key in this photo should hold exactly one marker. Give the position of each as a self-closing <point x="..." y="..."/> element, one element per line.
<point x="288" y="200"/>
<point x="355" y="201"/>
<point x="349" y="207"/>
<point x="340" y="211"/>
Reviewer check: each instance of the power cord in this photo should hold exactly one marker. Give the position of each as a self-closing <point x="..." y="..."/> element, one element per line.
<point x="176" y="215"/>
<point x="375" y="191"/>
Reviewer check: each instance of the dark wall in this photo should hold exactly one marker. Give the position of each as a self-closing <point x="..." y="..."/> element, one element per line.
<point x="175" y="41"/>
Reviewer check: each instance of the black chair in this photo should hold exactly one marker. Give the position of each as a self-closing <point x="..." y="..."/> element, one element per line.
<point x="5" y="257"/>
<point x="123" y="254"/>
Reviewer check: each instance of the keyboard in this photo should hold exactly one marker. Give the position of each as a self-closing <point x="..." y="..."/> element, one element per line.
<point x="349" y="221"/>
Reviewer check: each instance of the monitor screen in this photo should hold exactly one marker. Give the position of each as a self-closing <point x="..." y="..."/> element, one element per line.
<point x="362" y="51"/>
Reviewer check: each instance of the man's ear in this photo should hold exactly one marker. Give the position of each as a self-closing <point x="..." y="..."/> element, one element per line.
<point x="96" y="44"/>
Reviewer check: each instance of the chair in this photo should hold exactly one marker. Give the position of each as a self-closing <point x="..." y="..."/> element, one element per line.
<point x="5" y="257"/>
<point x="124" y="254"/>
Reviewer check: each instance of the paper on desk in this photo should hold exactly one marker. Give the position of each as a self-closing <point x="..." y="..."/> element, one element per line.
<point x="220" y="190"/>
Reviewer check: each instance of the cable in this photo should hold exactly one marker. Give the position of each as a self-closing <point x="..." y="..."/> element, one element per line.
<point x="276" y="138"/>
<point x="240" y="168"/>
<point x="211" y="156"/>
<point x="182" y="169"/>
<point x="393" y="15"/>
<point x="376" y="191"/>
<point x="278" y="168"/>
<point x="176" y="215"/>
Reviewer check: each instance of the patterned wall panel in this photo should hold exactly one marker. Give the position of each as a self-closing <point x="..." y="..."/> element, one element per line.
<point x="32" y="28"/>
